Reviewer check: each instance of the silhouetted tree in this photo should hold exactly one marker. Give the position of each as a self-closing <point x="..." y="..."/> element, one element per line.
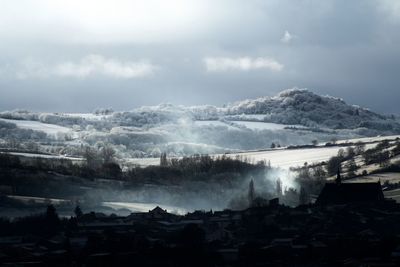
<point x="278" y="187"/>
<point x="78" y="212"/>
<point x="350" y="152"/>
<point x="351" y="167"/>
<point x="91" y="156"/>
<point x="52" y="220"/>
<point x="163" y="159"/>
<point x="251" y="193"/>
<point x="303" y="197"/>
<point x="333" y="164"/>
<point x="111" y="169"/>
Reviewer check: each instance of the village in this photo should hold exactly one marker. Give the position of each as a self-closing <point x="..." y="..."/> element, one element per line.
<point x="339" y="229"/>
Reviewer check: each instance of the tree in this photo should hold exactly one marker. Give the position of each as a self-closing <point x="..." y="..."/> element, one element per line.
<point x="163" y="159"/>
<point x="278" y="187"/>
<point x="91" y="156"/>
<point x="341" y="154"/>
<point x="111" y="169"/>
<point x="396" y="149"/>
<point x="78" y="212"/>
<point x="350" y="152"/>
<point x="351" y="167"/>
<point x="251" y="193"/>
<point x="360" y="148"/>
<point x="107" y="153"/>
<point x="273" y="145"/>
<point x="52" y="220"/>
<point x="319" y="172"/>
<point x="383" y="158"/>
<point x="314" y="142"/>
<point x="333" y="165"/>
<point x="303" y="197"/>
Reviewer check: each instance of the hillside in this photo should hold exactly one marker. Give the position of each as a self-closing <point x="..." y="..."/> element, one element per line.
<point x="293" y="117"/>
<point x="301" y="106"/>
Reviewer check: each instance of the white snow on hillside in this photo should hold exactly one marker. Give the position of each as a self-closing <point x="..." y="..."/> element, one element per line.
<point x="50" y="129"/>
<point x="213" y="123"/>
<point x="255" y="125"/>
<point x="285" y="158"/>
<point x="301" y="106"/>
<point x="293" y="117"/>
<point x="87" y="116"/>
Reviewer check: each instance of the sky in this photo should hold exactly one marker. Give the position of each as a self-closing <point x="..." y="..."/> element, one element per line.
<point x="76" y="56"/>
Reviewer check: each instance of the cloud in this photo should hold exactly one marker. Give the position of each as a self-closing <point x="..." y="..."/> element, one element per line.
<point x="88" y="66"/>
<point x="104" y="21"/>
<point x="287" y="37"/>
<point x="221" y="64"/>
<point x="391" y="8"/>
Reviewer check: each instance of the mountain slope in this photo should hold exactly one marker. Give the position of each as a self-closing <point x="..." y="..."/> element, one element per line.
<point x="293" y="117"/>
<point x="301" y="106"/>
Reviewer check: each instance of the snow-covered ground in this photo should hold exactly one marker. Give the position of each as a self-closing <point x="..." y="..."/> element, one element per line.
<point x="393" y="194"/>
<point x="258" y="125"/>
<point x="285" y="158"/>
<point x="87" y="116"/>
<point x="213" y="123"/>
<point x="369" y="139"/>
<point x="143" y="162"/>
<point x="391" y="177"/>
<point x="50" y="129"/>
<point x="45" y="156"/>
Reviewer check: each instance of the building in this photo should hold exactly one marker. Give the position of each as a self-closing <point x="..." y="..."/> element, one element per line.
<point x="343" y="193"/>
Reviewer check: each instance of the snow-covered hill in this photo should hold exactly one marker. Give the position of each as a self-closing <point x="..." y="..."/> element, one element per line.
<point x="301" y="106"/>
<point x="293" y="117"/>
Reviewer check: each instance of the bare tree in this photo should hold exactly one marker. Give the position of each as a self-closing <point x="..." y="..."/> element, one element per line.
<point x="91" y="156"/>
<point x="107" y="154"/>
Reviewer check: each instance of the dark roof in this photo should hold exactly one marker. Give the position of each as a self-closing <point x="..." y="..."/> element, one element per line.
<point x="158" y="209"/>
<point x="342" y="193"/>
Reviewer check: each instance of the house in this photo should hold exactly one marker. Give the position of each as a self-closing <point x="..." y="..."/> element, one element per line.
<point x="344" y="193"/>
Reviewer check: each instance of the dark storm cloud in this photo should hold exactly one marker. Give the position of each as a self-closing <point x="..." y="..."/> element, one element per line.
<point x="90" y="58"/>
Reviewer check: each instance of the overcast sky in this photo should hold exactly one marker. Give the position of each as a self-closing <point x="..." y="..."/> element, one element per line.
<point x="74" y="55"/>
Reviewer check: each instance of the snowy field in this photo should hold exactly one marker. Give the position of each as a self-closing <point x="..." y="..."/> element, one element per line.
<point x="248" y="117"/>
<point x="87" y="116"/>
<point x="391" y="177"/>
<point x="213" y="123"/>
<point x="393" y="194"/>
<point x="252" y="125"/>
<point x="285" y="158"/>
<point x="44" y="156"/>
<point x="143" y="162"/>
<point x="50" y="129"/>
<point x="369" y="139"/>
<point x="257" y="125"/>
